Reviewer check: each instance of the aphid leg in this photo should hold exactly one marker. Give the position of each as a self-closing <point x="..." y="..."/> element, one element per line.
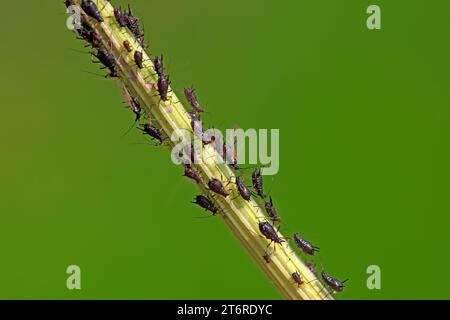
<point x="257" y="208"/>
<point x="329" y="292"/>
<point x="208" y="217"/>
<point x="104" y="6"/>
<point x="171" y="99"/>
<point x="131" y="128"/>
<point x="237" y="196"/>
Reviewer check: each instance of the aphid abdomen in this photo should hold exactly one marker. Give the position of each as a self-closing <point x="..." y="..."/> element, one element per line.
<point x="90" y="8"/>
<point x="217" y="187"/>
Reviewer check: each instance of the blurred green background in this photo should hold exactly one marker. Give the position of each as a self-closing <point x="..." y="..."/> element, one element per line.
<point x="364" y="173"/>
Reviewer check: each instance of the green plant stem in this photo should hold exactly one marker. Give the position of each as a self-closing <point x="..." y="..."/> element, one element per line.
<point x="242" y="217"/>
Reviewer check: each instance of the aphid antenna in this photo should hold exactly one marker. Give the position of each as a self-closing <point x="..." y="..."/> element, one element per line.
<point x="131" y="128"/>
<point x="268" y="194"/>
<point x="146" y="143"/>
<point x="97" y="74"/>
<point x="170" y="98"/>
<point x="222" y="179"/>
<point x="106" y="3"/>
<point x="317" y="276"/>
<point x="151" y="141"/>
<point x="257" y="207"/>
<point x="80" y="51"/>
<point x="208" y="217"/>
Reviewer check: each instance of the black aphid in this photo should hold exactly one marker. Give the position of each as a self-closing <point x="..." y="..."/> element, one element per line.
<point x="163" y="86"/>
<point x="107" y="60"/>
<point x="91" y="10"/>
<point x="208" y="139"/>
<point x="216" y="186"/>
<point x="269" y="232"/>
<point x="333" y="283"/>
<point x="133" y="25"/>
<point x="272" y="211"/>
<point x="127" y="46"/>
<point x="159" y="65"/>
<point x="312" y="267"/>
<point x="266" y="257"/>
<point x="243" y="189"/>
<point x="190" y="172"/>
<point x="138" y="59"/>
<point x="229" y="156"/>
<point x="257" y="180"/>
<point x="197" y="127"/>
<point x="194" y="115"/>
<point x="191" y="150"/>
<point x="121" y="17"/>
<point x="136" y="107"/>
<point x="205" y="203"/>
<point x="91" y="37"/>
<point x="191" y="97"/>
<point x="306" y="246"/>
<point x="153" y="132"/>
<point x="297" y="278"/>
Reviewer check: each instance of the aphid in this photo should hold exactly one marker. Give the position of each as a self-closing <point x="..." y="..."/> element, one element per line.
<point x="92" y="37"/>
<point x="269" y="232"/>
<point x="333" y="283"/>
<point x="191" y="97"/>
<point x="312" y="267"/>
<point x="132" y="103"/>
<point x="191" y="150"/>
<point x="108" y="61"/>
<point x="190" y="172"/>
<point x="152" y="131"/>
<point x="297" y="278"/>
<point x="272" y="211"/>
<point x="136" y="107"/>
<point x="197" y="126"/>
<point x="194" y="115"/>
<point x="121" y="18"/>
<point x="266" y="257"/>
<point x="229" y="156"/>
<point x="85" y="23"/>
<point x="207" y="138"/>
<point x="159" y="65"/>
<point x="84" y="34"/>
<point x="127" y="46"/>
<point x="138" y="59"/>
<point x="133" y="25"/>
<point x="243" y="189"/>
<point x="257" y="180"/>
<point x="95" y="39"/>
<point x="91" y="10"/>
<point x="306" y="246"/>
<point x="216" y="186"/>
<point x="205" y="203"/>
<point x="163" y="86"/>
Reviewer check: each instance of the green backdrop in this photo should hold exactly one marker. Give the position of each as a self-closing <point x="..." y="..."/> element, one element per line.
<point x="364" y="126"/>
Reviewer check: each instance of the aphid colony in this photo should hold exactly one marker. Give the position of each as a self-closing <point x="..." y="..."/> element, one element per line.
<point x="215" y="187"/>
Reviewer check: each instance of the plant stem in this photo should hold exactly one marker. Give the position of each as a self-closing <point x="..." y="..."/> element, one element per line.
<point x="242" y="217"/>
